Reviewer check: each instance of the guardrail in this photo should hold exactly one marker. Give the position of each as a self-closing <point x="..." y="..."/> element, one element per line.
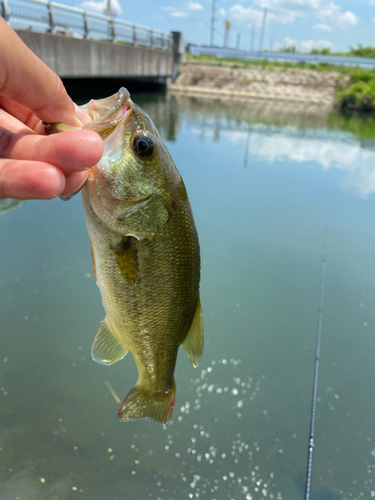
<point x="52" y="17"/>
<point x="283" y="56"/>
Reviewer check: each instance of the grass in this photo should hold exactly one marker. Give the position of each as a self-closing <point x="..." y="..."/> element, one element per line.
<point x="236" y="62"/>
<point x="360" y="96"/>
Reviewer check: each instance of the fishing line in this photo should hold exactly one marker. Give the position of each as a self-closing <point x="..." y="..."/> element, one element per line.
<point x="316" y="370"/>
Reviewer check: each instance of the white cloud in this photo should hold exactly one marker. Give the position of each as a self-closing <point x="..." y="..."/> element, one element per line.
<point x="174" y="12"/>
<point x="249" y="14"/>
<point x="305" y="45"/>
<point x="222" y="12"/>
<point x="347" y="19"/>
<point x="195" y="6"/>
<point x="322" y="27"/>
<point x="252" y="15"/>
<point x="101" y="6"/>
<point x="179" y="13"/>
<point x="289" y="42"/>
<point x="288" y="11"/>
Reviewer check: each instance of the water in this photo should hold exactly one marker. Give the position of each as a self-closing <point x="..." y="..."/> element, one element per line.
<point x="263" y="183"/>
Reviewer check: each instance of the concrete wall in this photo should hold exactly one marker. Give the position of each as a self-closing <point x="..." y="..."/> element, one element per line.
<point x="76" y="58"/>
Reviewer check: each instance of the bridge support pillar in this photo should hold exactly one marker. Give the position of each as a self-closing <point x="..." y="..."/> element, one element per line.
<point x="179" y="58"/>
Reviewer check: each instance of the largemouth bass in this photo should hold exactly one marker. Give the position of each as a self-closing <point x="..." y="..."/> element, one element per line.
<point x="145" y="254"/>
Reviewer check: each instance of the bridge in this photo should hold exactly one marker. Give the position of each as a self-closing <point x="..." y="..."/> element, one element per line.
<point x="80" y="45"/>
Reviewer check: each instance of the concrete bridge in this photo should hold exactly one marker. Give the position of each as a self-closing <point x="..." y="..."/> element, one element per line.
<point x="86" y="48"/>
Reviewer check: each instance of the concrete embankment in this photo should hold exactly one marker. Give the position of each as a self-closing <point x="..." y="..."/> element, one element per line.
<point x="242" y="82"/>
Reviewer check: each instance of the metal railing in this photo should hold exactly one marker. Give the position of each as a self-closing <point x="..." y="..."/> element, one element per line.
<point x="52" y="17"/>
<point x="364" y="62"/>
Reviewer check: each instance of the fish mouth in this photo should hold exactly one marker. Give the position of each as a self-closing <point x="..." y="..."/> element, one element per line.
<point x="106" y="114"/>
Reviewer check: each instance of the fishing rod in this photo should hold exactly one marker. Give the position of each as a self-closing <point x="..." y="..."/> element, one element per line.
<point x="316" y="370"/>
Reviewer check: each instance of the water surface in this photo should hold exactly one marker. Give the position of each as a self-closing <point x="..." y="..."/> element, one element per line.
<point x="263" y="183"/>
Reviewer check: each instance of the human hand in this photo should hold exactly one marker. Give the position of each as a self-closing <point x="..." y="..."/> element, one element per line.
<point x="33" y="165"/>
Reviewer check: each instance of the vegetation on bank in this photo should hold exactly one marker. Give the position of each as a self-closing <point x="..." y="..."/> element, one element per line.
<point x="357" y="95"/>
<point x="360" y="51"/>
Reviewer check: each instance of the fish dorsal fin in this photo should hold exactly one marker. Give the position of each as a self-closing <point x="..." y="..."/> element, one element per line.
<point x="127" y="259"/>
<point x="193" y="343"/>
<point x="106" y="349"/>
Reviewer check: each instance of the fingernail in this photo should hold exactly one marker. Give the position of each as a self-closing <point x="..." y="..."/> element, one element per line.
<point x="66" y="197"/>
<point x="81" y="115"/>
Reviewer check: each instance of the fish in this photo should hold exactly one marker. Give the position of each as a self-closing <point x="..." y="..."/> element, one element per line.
<point x="145" y="254"/>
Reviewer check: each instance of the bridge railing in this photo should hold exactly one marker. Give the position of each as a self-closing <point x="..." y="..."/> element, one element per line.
<point x="52" y="17"/>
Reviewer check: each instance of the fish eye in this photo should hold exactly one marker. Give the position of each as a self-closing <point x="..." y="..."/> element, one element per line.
<point x="143" y="145"/>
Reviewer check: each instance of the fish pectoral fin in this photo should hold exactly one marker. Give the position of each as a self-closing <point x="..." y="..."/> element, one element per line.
<point x="127" y="259"/>
<point x="146" y="216"/>
<point x="193" y="343"/>
<point x="106" y="349"/>
<point x="93" y="263"/>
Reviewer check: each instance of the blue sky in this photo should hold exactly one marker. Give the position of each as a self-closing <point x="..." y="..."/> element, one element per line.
<point x="307" y="23"/>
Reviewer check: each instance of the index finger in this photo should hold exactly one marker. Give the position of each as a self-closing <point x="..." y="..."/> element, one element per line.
<point x="25" y="79"/>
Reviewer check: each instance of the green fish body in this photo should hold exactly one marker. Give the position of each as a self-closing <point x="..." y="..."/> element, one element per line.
<point x="145" y="253"/>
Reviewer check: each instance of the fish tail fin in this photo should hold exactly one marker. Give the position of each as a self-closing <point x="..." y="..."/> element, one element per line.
<point x="142" y="404"/>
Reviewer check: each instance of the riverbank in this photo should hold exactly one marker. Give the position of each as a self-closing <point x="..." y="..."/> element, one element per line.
<point x="226" y="80"/>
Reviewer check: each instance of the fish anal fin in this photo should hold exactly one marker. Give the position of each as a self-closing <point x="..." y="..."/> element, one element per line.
<point x="106" y="349"/>
<point x="144" y="404"/>
<point x="93" y="263"/>
<point x="127" y="259"/>
<point x="193" y="343"/>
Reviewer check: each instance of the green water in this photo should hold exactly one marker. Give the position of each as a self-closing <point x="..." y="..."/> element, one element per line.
<point x="263" y="183"/>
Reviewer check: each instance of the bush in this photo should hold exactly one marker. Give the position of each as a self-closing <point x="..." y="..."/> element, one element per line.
<point x="363" y="51"/>
<point x="362" y="75"/>
<point x="359" y="97"/>
<point x="290" y="49"/>
<point x="324" y="51"/>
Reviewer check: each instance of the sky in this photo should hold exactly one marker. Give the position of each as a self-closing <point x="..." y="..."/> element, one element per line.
<point x="338" y="24"/>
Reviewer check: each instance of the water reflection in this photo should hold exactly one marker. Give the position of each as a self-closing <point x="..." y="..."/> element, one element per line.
<point x="8" y="204"/>
<point x="290" y="133"/>
<point x="240" y="427"/>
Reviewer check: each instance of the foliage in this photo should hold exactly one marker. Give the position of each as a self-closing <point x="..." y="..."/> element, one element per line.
<point x="358" y="97"/>
<point x="265" y="63"/>
<point x="363" y="51"/>
<point x="323" y="51"/>
<point x="362" y="75"/>
<point x="290" y="49"/>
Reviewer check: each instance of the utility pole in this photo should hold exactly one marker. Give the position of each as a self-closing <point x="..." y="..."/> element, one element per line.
<point x="213" y="14"/>
<point x="228" y="25"/>
<point x="238" y="40"/>
<point x="262" y="31"/>
<point x="252" y="44"/>
<point x="108" y="10"/>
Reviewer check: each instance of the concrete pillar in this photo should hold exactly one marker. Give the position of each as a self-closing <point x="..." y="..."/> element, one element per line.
<point x="179" y="54"/>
